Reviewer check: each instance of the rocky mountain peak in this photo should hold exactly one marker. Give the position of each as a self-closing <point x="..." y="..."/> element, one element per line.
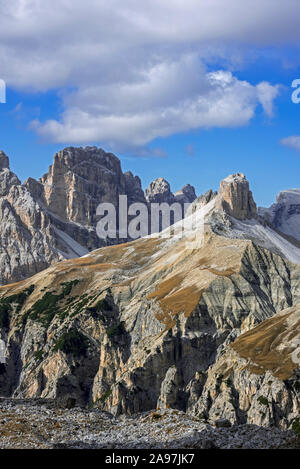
<point x="186" y="195"/>
<point x="79" y="179"/>
<point x="235" y="197"/>
<point x="7" y="177"/>
<point x="134" y="189"/>
<point x="159" y="191"/>
<point x="284" y="215"/>
<point x="4" y="161"/>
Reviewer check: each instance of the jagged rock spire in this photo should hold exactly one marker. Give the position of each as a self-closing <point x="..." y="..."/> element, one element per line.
<point x="4" y="161"/>
<point x="159" y="191"/>
<point x="235" y="197"/>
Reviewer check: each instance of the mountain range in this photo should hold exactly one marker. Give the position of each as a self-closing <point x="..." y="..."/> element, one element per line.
<point x="206" y="324"/>
<point x="54" y="218"/>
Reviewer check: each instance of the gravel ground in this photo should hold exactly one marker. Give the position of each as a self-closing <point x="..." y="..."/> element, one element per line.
<point x="41" y="425"/>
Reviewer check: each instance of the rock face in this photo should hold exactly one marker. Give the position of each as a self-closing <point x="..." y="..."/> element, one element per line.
<point x="7" y="178"/>
<point x="186" y="195"/>
<point x="150" y="323"/>
<point x="78" y="180"/>
<point x="234" y="393"/>
<point x="159" y="191"/>
<point x="207" y="326"/>
<point x="4" y="161"/>
<point x="27" y="241"/>
<point x="235" y="197"/>
<point x="134" y="189"/>
<point x="256" y="379"/>
<point x="207" y="197"/>
<point x="52" y="219"/>
<point x="284" y="215"/>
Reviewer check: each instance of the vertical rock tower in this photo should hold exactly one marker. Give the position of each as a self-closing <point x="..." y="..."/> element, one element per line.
<point x="235" y="197"/>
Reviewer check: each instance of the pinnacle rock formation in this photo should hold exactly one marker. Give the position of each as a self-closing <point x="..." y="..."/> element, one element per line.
<point x="186" y="195"/>
<point x="159" y="191"/>
<point x="235" y="197"/>
<point x="78" y="180"/>
<point x="4" y="161"/>
<point x="133" y="188"/>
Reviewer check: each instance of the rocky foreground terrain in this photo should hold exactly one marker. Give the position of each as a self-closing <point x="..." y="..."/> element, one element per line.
<point x="205" y="322"/>
<point x="43" y="425"/>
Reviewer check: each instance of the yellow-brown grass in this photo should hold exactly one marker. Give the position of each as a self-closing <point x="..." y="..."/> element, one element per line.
<point x="261" y="346"/>
<point x="183" y="301"/>
<point x="174" y="300"/>
<point x="165" y="287"/>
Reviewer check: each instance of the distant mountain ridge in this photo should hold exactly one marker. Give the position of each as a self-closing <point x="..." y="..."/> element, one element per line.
<point x="284" y="215"/>
<point x="54" y="218"/>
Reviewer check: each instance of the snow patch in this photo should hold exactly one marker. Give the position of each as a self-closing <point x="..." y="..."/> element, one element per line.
<point x="267" y="238"/>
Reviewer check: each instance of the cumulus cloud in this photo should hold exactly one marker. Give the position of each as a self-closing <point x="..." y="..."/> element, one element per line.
<point x="138" y="68"/>
<point x="291" y="142"/>
<point x="161" y="104"/>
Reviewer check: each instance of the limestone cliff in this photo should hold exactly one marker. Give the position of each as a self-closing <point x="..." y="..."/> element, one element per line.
<point x="236" y="198"/>
<point x="284" y="215"/>
<point x="257" y="378"/>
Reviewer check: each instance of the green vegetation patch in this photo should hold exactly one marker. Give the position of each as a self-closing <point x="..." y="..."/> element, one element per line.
<point x="72" y="342"/>
<point x="38" y="355"/>
<point x="297" y="386"/>
<point x="67" y="286"/>
<point x="105" y="395"/>
<point x="263" y="400"/>
<point x="82" y="302"/>
<point x="6" y="305"/>
<point x="116" y="329"/>
<point x="296" y="426"/>
<point x="101" y="305"/>
<point x="46" y="308"/>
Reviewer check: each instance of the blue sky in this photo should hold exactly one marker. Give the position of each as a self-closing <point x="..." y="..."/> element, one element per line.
<point x="192" y="102"/>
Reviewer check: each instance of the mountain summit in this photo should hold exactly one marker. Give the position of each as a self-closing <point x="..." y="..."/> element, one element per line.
<point x="235" y="197"/>
<point x="4" y="161"/>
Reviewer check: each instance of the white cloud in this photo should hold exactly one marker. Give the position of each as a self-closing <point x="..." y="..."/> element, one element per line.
<point x="291" y="142"/>
<point x="161" y="104"/>
<point x="138" y="67"/>
<point x="266" y="96"/>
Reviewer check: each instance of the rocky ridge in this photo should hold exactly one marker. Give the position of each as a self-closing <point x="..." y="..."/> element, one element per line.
<point x="44" y="221"/>
<point x="284" y="215"/>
